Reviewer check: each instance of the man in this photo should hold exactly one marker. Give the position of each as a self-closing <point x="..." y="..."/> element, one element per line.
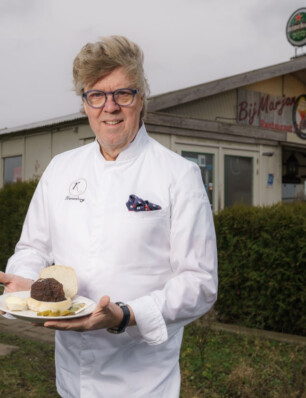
<point x="134" y="221"/>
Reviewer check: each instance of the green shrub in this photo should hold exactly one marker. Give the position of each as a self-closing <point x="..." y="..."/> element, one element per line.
<point x="14" y="202"/>
<point x="262" y="252"/>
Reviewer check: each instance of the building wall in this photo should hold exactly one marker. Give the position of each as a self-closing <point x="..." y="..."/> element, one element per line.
<point x="37" y="149"/>
<point x="163" y="139"/>
<point x="220" y="107"/>
<point x="266" y="161"/>
<point x="288" y="85"/>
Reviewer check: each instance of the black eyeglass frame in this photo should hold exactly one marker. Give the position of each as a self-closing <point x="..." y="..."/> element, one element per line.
<point x="112" y="93"/>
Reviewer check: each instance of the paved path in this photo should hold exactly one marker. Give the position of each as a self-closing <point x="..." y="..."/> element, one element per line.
<point x="25" y="330"/>
<point x="6" y="349"/>
<point x="265" y="334"/>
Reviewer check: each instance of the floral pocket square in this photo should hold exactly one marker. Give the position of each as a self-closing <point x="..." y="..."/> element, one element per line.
<point x="137" y="204"/>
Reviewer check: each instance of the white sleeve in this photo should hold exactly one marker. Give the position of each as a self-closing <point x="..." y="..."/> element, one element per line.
<point x="192" y="290"/>
<point x="33" y="251"/>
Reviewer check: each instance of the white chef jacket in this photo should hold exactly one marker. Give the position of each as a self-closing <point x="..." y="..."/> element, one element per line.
<point x="163" y="263"/>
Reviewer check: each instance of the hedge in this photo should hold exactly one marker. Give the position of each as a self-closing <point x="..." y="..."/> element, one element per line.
<point x="14" y="202"/>
<point x="261" y="252"/>
<point x="262" y="258"/>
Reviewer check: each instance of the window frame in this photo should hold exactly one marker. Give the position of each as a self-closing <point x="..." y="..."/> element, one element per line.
<point x="4" y="158"/>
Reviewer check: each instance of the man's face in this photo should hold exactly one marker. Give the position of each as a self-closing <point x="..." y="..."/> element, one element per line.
<point x="114" y="126"/>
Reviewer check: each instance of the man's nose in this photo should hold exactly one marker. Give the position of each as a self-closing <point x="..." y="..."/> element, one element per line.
<point x="110" y="105"/>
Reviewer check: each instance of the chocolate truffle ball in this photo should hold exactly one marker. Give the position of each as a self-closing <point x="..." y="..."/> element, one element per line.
<point x="48" y="289"/>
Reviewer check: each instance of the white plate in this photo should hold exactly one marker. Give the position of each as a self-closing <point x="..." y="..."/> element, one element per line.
<point x="32" y="316"/>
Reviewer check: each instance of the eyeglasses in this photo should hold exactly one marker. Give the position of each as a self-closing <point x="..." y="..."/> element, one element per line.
<point x="121" y="97"/>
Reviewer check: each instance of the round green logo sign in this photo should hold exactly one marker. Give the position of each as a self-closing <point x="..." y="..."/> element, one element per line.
<point x="296" y="28"/>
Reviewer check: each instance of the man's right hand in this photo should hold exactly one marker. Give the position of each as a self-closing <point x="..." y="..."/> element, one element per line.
<point x="15" y="283"/>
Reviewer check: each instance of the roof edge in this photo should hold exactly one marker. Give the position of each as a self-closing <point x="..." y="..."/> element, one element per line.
<point x="45" y="123"/>
<point x="182" y="96"/>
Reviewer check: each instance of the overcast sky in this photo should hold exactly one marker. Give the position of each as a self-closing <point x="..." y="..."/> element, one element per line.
<point x="186" y="42"/>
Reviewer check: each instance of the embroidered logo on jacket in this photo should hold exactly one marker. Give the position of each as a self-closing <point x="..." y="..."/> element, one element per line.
<point x="77" y="188"/>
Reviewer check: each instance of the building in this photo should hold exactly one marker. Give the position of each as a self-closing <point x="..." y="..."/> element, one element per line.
<point x="246" y="132"/>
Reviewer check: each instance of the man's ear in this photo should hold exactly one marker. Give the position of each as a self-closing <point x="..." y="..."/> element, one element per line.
<point x="85" y="109"/>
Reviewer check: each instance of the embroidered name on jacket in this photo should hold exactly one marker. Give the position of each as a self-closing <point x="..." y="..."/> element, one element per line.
<point x="72" y="198"/>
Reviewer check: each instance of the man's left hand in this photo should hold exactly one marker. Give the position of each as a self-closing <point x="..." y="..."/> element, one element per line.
<point x="106" y="315"/>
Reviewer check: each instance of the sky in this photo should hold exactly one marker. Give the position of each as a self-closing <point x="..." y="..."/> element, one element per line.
<point x="185" y="42"/>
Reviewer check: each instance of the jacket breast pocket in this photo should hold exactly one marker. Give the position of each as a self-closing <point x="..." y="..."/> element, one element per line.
<point x="137" y="238"/>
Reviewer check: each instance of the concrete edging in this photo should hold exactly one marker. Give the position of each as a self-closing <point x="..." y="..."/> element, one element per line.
<point x="266" y="334"/>
<point x="27" y="330"/>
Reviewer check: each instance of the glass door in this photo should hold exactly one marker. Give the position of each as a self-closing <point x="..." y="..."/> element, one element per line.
<point x="238" y="180"/>
<point x="206" y="163"/>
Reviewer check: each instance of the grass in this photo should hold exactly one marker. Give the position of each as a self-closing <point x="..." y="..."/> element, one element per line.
<point x="225" y="365"/>
<point x="28" y="372"/>
<point x="213" y="365"/>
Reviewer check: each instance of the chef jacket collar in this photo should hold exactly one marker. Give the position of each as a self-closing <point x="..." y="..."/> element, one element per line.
<point x="130" y="152"/>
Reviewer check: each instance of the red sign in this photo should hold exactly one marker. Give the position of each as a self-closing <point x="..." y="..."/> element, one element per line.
<point x="265" y="110"/>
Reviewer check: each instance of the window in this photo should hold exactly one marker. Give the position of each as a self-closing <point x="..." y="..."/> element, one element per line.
<point x="238" y="180"/>
<point x="205" y="161"/>
<point x="12" y="167"/>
